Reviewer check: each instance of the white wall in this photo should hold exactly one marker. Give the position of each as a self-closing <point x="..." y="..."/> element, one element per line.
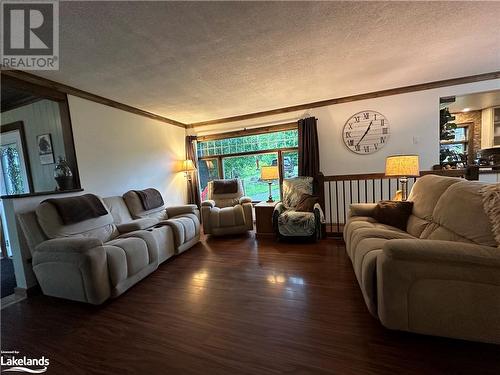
<point x="414" y="117"/>
<point x="118" y="151"/>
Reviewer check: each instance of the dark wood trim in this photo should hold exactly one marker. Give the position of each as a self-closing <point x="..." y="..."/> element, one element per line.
<point x="41" y="194"/>
<point x="38" y="90"/>
<point x="69" y="141"/>
<point x="245" y="132"/>
<point x="19" y="103"/>
<point x="69" y="90"/>
<point x="19" y="126"/>
<point x="352" y="98"/>
<point x="246" y="153"/>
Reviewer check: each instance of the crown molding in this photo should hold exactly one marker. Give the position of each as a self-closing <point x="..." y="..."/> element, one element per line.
<point x="352" y="98"/>
<point x="69" y="90"/>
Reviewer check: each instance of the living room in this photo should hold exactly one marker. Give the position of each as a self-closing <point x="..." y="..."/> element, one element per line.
<point x="152" y="178"/>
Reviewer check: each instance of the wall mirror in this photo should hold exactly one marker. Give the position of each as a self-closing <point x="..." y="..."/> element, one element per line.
<point x="36" y="143"/>
<point x="470" y="130"/>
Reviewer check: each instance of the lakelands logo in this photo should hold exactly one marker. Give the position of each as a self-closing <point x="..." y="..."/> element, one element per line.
<point x="12" y="361"/>
<point x="30" y="35"/>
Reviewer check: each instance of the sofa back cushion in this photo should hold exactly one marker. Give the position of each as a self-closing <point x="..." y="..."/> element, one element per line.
<point x="136" y="209"/>
<point x="118" y="209"/>
<point x="225" y="199"/>
<point x="102" y="227"/>
<point x="425" y="194"/>
<point x="459" y="216"/>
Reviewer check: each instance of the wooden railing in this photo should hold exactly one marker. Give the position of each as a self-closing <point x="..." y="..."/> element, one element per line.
<point x="339" y="191"/>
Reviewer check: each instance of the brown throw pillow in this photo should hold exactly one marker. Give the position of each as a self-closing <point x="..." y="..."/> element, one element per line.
<point x="306" y="203"/>
<point x="225" y="186"/>
<point x="393" y="213"/>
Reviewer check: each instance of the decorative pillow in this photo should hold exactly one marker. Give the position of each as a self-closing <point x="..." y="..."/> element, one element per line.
<point x="491" y="204"/>
<point x="225" y="186"/>
<point x="393" y="213"/>
<point x="306" y="203"/>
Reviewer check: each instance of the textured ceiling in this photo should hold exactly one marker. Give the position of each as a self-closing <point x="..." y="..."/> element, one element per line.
<point x="196" y="61"/>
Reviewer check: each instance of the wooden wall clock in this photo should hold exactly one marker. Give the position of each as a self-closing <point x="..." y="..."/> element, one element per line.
<point x="366" y="132"/>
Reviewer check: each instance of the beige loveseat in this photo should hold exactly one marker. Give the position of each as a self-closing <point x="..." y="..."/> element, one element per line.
<point x="442" y="275"/>
<point x="229" y="213"/>
<point x="98" y="258"/>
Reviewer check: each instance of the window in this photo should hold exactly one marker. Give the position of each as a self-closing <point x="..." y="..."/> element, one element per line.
<point x="243" y="156"/>
<point x="456" y="149"/>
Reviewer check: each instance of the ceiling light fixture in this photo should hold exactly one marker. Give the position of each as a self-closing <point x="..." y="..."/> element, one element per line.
<point x="466" y="110"/>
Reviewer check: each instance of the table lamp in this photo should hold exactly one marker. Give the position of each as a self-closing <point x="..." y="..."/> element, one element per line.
<point x="402" y="166"/>
<point x="269" y="174"/>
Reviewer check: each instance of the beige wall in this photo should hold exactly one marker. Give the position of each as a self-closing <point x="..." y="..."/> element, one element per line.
<point x="414" y="120"/>
<point x="118" y="151"/>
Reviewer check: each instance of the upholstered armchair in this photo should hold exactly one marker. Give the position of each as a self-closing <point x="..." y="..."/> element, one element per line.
<point x="227" y="210"/>
<point x="299" y="214"/>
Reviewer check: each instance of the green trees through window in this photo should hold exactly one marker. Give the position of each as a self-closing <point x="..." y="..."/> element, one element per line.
<point x="242" y="157"/>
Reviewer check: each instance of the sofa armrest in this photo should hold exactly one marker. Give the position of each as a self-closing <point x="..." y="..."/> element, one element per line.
<point x="318" y="213"/>
<point x="73" y="268"/>
<point x="442" y="251"/>
<point x="245" y="200"/>
<point x="441" y="288"/>
<point x="151" y="243"/>
<point x="138" y="224"/>
<point x="208" y="203"/>
<point x="278" y="210"/>
<point x="361" y="209"/>
<point x="184" y="209"/>
<point x="73" y="245"/>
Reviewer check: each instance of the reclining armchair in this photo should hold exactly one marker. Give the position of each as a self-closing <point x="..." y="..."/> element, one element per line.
<point x="291" y="217"/>
<point x="227" y="210"/>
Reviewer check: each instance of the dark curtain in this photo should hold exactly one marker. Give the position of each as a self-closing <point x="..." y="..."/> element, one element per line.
<point x="193" y="191"/>
<point x="308" y="147"/>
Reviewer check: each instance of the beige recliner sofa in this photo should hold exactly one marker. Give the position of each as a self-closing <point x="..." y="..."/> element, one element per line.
<point x="229" y="213"/>
<point x="442" y="275"/>
<point x="95" y="259"/>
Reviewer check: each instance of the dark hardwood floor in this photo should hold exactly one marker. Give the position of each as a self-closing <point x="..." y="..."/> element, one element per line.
<point x="236" y="306"/>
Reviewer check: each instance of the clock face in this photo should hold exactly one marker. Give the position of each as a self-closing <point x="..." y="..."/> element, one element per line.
<point x="366" y="132"/>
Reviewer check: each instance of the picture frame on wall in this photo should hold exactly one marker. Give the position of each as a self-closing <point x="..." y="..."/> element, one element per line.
<point x="45" y="150"/>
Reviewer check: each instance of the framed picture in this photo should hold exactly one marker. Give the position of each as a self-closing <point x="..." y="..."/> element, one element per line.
<point x="45" y="151"/>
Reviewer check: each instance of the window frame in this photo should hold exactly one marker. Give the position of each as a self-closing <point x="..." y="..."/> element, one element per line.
<point x="467" y="141"/>
<point x="247" y="132"/>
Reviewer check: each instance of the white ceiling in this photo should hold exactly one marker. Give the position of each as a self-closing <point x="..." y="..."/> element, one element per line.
<point x="196" y="61"/>
<point x="474" y="102"/>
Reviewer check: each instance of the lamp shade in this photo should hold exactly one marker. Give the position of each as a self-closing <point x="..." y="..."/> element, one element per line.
<point x="269" y="173"/>
<point x="402" y="165"/>
<point x="185" y="166"/>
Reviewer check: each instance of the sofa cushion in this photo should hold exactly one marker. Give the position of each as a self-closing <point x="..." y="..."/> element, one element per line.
<point x="393" y="213"/>
<point x="293" y="223"/>
<point x="137" y="210"/>
<point x="225" y="199"/>
<point x="306" y="203"/>
<point x="185" y="227"/>
<point x="425" y="194"/>
<point x="118" y="208"/>
<point x="126" y="257"/>
<point x="293" y="188"/>
<point x="459" y="216"/>
<point x="102" y="227"/>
